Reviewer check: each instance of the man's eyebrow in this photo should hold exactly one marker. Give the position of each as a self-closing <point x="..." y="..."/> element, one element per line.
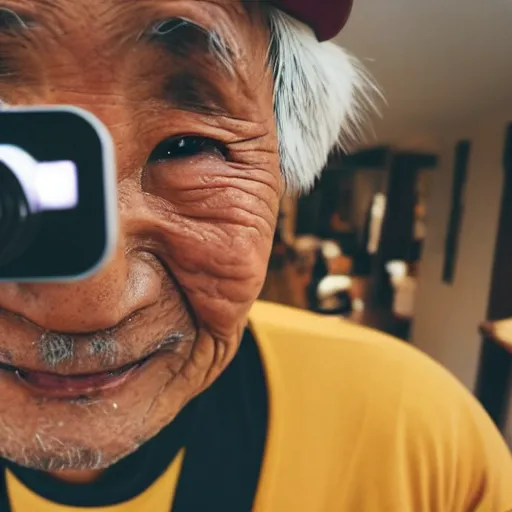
<point x="11" y="20"/>
<point x="191" y="84"/>
<point x="194" y="93"/>
<point x="181" y="37"/>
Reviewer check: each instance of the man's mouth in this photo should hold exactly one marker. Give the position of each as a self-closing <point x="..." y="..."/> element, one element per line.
<point x="71" y="386"/>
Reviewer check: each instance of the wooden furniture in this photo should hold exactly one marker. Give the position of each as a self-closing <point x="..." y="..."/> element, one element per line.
<point x="340" y="265"/>
<point x="397" y="232"/>
<point x="495" y="375"/>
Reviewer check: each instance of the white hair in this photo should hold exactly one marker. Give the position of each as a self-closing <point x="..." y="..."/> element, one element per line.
<point x="321" y="97"/>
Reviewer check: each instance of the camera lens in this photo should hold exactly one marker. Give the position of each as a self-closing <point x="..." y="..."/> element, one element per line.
<point x="16" y="219"/>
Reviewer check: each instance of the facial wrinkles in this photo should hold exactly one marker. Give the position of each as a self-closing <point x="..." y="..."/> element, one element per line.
<point x="207" y="220"/>
<point x="241" y="201"/>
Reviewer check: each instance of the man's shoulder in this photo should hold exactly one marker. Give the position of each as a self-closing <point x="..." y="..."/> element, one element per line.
<point x="359" y="368"/>
<point x="399" y="400"/>
<point x="341" y="354"/>
<point x="334" y="354"/>
<point x="295" y="333"/>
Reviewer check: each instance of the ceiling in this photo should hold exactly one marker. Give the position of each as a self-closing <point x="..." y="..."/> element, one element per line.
<point x="439" y="62"/>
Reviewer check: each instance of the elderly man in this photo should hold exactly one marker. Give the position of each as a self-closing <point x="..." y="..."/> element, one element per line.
<point x="160" y="383"/>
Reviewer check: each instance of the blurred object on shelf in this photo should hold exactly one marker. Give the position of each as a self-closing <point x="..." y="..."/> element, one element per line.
<point x="331" y="249"/>
<point x="337" y="261"/>
<point x="334" y="295"/>
<point x="328" y="294"/>
<point x="377" y="211"/>
<point x="358" y="305"/>
<point x="404" y="289"/>
<point x="397" y="270"/>
<point x="339" y="225"/>
<point x="305" y="247"/>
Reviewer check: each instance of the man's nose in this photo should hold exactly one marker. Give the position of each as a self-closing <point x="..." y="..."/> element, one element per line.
<point x="125" y="285"/>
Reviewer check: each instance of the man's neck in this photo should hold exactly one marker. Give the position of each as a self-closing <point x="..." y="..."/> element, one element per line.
<point x="77" y="477"/>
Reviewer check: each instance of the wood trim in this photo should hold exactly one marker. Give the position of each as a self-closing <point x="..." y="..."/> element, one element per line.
<point x="495" y="366"/>
<point x="371" y="158"/>
<point x="488" y="330"/>
<point x="461" y="161"/>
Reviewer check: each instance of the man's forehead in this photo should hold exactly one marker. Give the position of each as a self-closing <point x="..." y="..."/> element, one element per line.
<point x="89" y="23"/>
<point x="230" y="24"/>
<point x="104" y="8"/>
<point x="203" y="47"/>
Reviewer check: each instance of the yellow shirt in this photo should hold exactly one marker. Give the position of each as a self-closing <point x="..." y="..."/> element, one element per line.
<point x="358" y="422"/>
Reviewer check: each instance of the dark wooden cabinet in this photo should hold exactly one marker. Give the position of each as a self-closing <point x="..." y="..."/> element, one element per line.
<point x="495" y="367"/>
<point x="495" y="375"/>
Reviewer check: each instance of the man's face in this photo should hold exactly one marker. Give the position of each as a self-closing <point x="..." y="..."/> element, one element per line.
<point x="198" y="180"/>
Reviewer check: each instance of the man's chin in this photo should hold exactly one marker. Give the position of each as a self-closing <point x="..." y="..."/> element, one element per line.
<point x="86" y="433"/>
<point x="65" y="458"/>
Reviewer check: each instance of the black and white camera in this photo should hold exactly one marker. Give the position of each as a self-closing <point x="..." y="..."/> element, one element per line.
<point x="57" y="194"/>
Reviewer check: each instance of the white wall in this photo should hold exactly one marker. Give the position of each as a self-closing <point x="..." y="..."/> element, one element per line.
<point x="447" y="316"/>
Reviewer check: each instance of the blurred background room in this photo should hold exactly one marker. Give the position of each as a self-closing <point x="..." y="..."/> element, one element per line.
<point x="410" y="231"/>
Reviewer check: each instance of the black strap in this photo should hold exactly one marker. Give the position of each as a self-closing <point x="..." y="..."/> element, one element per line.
<point x="222" y="464"/>
<point x="5" y="506"/>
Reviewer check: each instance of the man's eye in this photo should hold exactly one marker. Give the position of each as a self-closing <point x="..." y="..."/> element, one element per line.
<point x="181" y="147"/>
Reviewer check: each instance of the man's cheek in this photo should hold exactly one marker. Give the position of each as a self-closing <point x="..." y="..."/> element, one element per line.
<point x="211" y="189"/>
<point x="216" y="223"/>
<point x="220" y="269"/>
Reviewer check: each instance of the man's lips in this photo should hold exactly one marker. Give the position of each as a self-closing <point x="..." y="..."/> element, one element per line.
<point x="72" y="386"/>
<point x="68" y="365"/>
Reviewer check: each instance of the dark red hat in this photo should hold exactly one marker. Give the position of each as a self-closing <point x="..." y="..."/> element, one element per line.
<point x="325" y="17"/>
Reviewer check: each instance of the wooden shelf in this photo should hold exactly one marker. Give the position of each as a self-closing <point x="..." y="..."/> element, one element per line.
<point x="500" y="332"/>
